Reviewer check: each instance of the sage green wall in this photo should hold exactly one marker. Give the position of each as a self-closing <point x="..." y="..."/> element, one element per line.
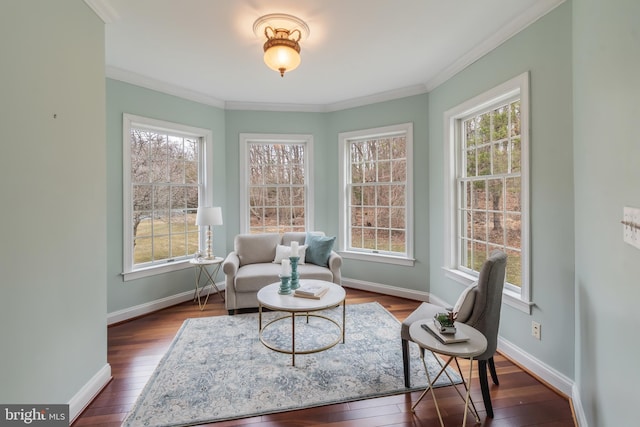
<point x="53" y="187"/>
<point x="543" y="49"/>
<point x="606" y="60"/>
<point x="127" y="98"/>
<point x="239" y="121"/>
<point x="410" y="109"/>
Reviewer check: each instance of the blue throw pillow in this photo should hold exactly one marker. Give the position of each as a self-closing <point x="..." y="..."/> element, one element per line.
<point x="318" y="249"/>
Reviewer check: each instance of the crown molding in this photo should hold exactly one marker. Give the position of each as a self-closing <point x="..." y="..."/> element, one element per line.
<point x="327" y="108"/>
<point x="377" y="97"/>
<point x="540" y="9"/>
<point x="160" y="86"/>
<point x="272" y="106"/>
<point x="104" y="10"/>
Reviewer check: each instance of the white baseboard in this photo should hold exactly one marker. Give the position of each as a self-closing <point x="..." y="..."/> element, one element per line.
<point x="88" y="392"/>
<point x="554" y="378"/>
<point x="159" y="304"/>
<point x="385" y="289"/>
<point x="578" y="409"/>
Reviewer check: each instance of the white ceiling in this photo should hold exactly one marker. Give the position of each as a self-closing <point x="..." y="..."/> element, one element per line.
<point x="357" y="52"/>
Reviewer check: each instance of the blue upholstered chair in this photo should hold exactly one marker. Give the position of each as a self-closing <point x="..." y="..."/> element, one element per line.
<point x="478" y="306"/>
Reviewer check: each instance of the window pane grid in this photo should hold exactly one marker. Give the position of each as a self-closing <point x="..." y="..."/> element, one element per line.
<point x="489" y="186"/>
<point x="165" y="184"/>
<point x="377" y="214"/>
<point x="277" y="187"/>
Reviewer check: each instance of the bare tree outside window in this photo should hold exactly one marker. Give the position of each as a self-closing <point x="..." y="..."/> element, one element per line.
<point x="377" y="194"/>
<point x="165" y="185"/>
<point x="490" y="187"/>
<point x="276" y="187"/>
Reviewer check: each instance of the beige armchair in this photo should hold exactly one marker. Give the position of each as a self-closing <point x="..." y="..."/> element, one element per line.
<point x="250" y="266"/>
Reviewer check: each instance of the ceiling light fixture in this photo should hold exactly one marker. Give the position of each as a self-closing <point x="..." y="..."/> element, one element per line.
<point x="283" y="33"/>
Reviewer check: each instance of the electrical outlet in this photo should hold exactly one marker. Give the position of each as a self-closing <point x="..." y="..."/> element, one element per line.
<point x="535" y="329"/>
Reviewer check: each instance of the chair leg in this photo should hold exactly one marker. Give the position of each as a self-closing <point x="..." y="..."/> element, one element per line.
<point x="492" y="370"/>
<point x="405" y="362"/>
<point x="484" y="386"/>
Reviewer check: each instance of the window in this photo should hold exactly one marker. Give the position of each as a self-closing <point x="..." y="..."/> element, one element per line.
<point x="165" y="180"/>
<point x="276" y="195"/>
<point x="376" y="175"/>
<point x="487" y="185"/>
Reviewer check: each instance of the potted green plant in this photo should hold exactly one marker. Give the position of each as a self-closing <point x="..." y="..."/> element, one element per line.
<point x="445" y="322"/>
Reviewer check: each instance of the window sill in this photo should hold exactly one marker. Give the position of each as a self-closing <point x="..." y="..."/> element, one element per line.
<point x="155" y="270"/>
<point x="510" y="298"/>
<point x="379" y="258"/>
<point x="514" y="300"/>
<point x="459" y="276"/>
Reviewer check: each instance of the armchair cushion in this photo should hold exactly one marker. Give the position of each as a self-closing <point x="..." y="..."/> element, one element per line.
<point x="253" y="277"/>
<point x="319" y="249"/>
<point x="256" y="248"/>
<point x="464" y="306"/>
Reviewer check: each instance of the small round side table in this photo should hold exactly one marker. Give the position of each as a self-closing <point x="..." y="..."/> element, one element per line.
<point x="475" y="346"/>
<point x="201" y="265"/>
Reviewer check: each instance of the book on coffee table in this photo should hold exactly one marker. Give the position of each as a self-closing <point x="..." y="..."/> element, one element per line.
<point x="314" y="291"/>
<point x="444" y="338"/>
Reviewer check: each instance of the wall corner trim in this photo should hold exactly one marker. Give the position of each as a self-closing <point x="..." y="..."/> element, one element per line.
<point x="104" y="10"/>
<point x="88" y="392"/>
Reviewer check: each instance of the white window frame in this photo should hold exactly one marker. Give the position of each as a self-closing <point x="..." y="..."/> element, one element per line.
<point x="205" y="178"/>
<point x="265" y="138"/>
<point x="518" y="297"/>
<point x="344" y="139"/>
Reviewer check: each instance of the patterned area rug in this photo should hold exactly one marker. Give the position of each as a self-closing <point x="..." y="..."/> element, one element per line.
<point x="217" y="369"/>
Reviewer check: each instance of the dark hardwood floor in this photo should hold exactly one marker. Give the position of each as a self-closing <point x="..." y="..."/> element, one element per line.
<point x="135" y="347"/>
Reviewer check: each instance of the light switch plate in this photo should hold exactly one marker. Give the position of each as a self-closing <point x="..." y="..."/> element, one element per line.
<point x="631" y="226"/>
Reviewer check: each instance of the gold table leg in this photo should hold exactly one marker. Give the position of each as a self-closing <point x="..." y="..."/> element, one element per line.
<point x="209" y="281"/>
<point x="466" y="398"/>
<point x="430" y="386"/>
<point x="293" y="338"/>
<point x="466" y="387"/>
<point x="466" y="401"/>
<point x="344" y="319"/>
<point x="293" y="315"/>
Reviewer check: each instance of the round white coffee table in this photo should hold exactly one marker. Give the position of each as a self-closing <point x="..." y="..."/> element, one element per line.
<point x="475" y="346"/>
<point x="269" y="297"/>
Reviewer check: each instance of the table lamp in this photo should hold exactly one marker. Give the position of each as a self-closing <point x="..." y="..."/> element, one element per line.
<point x="208" y="216"/>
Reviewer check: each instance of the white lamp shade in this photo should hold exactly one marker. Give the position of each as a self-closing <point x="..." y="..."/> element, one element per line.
<point x="209" y="216"/>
